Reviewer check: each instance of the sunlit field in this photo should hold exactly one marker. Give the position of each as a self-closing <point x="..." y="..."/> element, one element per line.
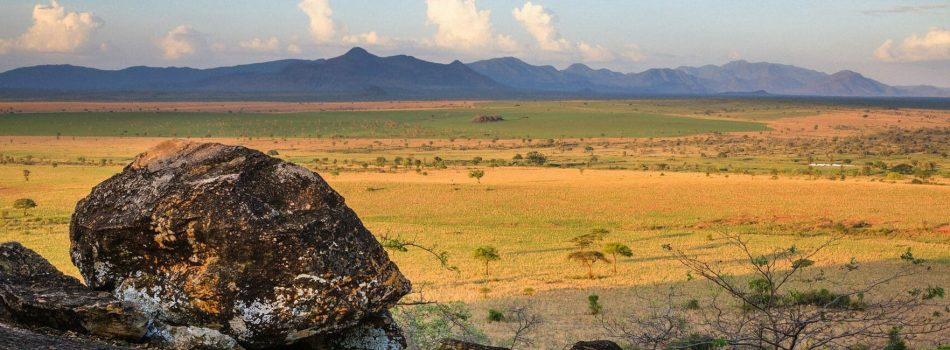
<point x="622" y="166"/>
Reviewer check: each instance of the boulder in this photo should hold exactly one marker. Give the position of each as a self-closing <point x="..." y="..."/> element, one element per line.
<point x="376" y="332"/>
<point x="15" y="338"/>
<point x="596" y="345"/>
<point x="452" y="344"/>
<point x="34" y="293"/>
<point x="232" y="240"/>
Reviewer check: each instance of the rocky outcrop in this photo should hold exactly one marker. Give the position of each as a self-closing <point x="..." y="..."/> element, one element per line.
<point x="34" y="293"/>
<point x="15" y="338"/>
<point x="596" y="345"/>
<point x="452" y="344"/>
<point x="226" y="239"/>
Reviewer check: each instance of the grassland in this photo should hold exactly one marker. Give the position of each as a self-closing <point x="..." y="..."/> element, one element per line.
<point x="531" y="212"/>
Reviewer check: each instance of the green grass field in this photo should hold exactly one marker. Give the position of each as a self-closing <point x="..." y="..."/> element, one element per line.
<point x="522" y="120"/>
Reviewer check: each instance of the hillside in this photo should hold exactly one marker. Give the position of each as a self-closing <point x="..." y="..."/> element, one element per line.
<point x="359" y="75"/>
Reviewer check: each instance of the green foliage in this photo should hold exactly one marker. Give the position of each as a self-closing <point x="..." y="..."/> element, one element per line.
<point x="802" y="263"/>
<point x="495" y="316"/>
<point x="586" y="240"/>
<point x="426" y="325"/>
<point x="909" y="257"/>
<point x="24" y="204"/>
<point x="894" y="340"/>
<point x="691" y="304"/>
<point x="486" y="254"/>
<point x="536" y="158"/>
<point x="593" y="304"/>
<point x="587" y="258"/>
<point x="617" y="249"/>
<point x="476" y="174"/>
<point x="697" y="342"/>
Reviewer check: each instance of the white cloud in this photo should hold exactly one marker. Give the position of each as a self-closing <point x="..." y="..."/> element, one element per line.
<point x="271" y="44"/>
<point x="595" y="53"/>
<point x="294" y="49"/>
<point x="462" y="26"/>
<point x="933" y="46"/>
<point x="322" y="27"/>
<point x="539" y="22"/>
<point x="54" y="30"/>
<point x="369" y="38"/>
<point x="180" y="42"/>
<point x="633" y="53"/>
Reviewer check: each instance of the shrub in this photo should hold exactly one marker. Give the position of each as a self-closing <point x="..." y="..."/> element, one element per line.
<point x="495" y="316"/>
<point x="273" y="152"/>
<point x="593" y="304"/>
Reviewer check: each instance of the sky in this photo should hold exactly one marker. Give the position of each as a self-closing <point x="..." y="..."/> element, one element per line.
<point x="895" y="42"/>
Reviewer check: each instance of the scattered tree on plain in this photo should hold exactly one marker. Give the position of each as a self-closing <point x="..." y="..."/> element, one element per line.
<point x="24" y="204"/>
<point x="587" y="258"/>
<point x="476" y="174"/>
<point x="26" y="175"/>
<point x="616" y="249"/>
<point x="486" y="254"/>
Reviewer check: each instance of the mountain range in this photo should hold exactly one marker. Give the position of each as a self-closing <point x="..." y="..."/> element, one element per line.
<point x="359" y="74"/>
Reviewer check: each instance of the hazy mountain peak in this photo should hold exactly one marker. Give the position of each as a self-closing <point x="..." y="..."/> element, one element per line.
<point x="359" y="52"/>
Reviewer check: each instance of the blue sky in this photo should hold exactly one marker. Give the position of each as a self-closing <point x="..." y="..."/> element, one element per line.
<point x="896" y="42"/>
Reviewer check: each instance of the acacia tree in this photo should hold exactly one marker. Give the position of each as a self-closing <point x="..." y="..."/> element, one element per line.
<point x="616" y="249"/>
<point x="24" y="204"/>
<point x="587" y="258"/>
<point x="768" y="311"/>
<point x="486" y="254"/>
<point x="476" y="174"/>
<point x="26" y="175"/>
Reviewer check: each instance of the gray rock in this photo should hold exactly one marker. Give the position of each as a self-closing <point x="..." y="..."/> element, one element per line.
<point x="229" y="239"/>
<point x="15" y="338"/>
<point x="452" y="344"/>
<point x="596" y="345"/>
<point x="376" y="332"/>
<point x="34" y="293"/>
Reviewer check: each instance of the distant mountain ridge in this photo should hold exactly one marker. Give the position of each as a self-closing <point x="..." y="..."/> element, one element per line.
<point x="359" y="74"/>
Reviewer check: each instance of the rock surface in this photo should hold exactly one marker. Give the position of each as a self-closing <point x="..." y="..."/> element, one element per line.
<point x="376" y="332"/>
<point x="13" y="338"/>
<point x="452" y="344"/>
<point x="231" y="240"/>
<point x="596" y="345"/>
<point x="34" y="293"/>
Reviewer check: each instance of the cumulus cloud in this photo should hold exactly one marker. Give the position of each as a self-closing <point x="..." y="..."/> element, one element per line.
<point x="294" y="49"/>
<point x="595" y="53"/>
<point x="271" y="44"/>
<point x="539" y="22"/>
<point x="180" y="42"/>
<point x="462" y="26"/>
<point x="369" y="38"/>
<point x="933" y="46"/>
<point x="54" y="30"/>
<point x="322" y="27"/>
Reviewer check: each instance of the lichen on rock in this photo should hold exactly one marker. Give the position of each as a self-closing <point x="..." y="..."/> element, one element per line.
<point x="231" y="240"/>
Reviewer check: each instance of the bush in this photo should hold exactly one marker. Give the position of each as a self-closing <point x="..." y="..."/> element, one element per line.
<point x="894" y="340"/>
<point x="593" y="304"/>
<point x="495" y="316"/>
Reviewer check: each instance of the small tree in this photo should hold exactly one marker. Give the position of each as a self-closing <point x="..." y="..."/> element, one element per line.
<point x="616" y="249"/>
<point x="24" y="204"/>
<point x="588" y="239"/>
<point x="477" y="174"/>
<point x="26" y="175"/>
<point x="536" y="158"/>
<point x="486" y="254"/>
<point x="587" y="258"/>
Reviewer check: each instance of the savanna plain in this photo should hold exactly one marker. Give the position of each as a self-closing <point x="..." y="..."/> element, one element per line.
<point x="537" y="181"/>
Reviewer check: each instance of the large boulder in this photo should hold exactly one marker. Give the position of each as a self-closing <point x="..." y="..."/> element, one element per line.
<point x="232" y="240"/>
<point x="34" y="293"/>
<point x="596" y="345"/>
<point x="16" y="338"/>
